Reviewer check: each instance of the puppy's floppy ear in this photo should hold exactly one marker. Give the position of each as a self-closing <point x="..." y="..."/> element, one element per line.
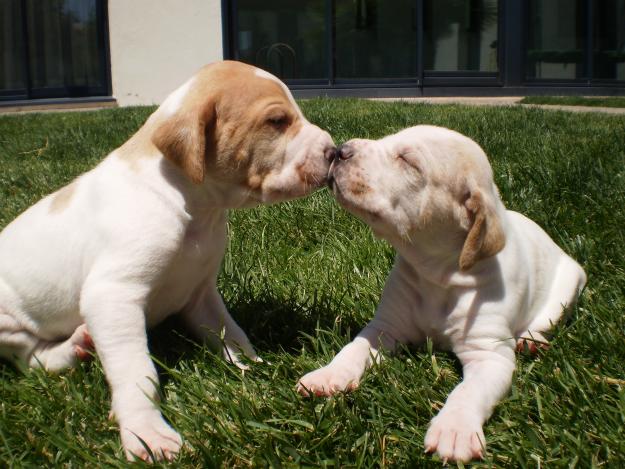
<point x="186" y="139"/>
<point x="486" y="236"/>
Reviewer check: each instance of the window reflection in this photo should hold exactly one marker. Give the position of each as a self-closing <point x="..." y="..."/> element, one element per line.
<point x="556" y="39"/>
<point x="283" y="37"/>
<point x="460" y="35"/>
<point x="609" y="40"/>
<point x="64" y="44"/>
<point x="376" y="39"/>
<point x="11" y="47"/>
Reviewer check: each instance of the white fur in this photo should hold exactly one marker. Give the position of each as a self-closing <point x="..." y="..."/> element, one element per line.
<point x="268" y="76"/>
<point x="135" y="242"/>
<point x="479" y="313"/>
<point x="173" y="102"/>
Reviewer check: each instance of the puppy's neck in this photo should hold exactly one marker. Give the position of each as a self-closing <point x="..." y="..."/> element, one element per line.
<point x="436" y="259"/>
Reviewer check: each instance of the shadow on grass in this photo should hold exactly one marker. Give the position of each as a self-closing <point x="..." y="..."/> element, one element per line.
<point x="272" y="324"/>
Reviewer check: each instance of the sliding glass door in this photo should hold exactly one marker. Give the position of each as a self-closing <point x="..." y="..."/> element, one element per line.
<point x="609" y="40"/>
<point x="53" y="48"/>
<point x="13" y="81"/>
<point x="284" y="37"/>
<point x="375" y="40"/>
<point x="556" y="45"/>
<point x="575" y="41"/>
<point x="360" y="42"/>
<point x="417" y="43"/>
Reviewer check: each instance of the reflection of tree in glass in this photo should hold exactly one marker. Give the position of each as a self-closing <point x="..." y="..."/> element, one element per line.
<point x="375" y="39"/>
<point x="292" y="44"/>
<point x="78" y="20"/>
<point x="474" y="17"/>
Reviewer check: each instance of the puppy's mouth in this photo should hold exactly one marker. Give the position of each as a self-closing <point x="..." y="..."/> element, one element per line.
<point x="347" y="198"/>
<point x="330" y="177"/>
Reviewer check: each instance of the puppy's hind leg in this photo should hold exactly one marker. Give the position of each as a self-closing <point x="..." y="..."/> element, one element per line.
<point x="56" y="356"/>
<point x="18" y="344"/>
<point x="569" y="280"/>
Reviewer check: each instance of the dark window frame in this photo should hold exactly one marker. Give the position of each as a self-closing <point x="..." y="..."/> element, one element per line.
<point x="423" y="77"/>
<point x="469" y="77"/>
<point x="104" y="56"/>
<point x="588" y="80"/>
<point x="512" y="56"/>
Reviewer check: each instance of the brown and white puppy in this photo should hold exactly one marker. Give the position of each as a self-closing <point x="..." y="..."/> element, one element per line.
<point x="474" y="277"/>
<point x="143" y="234"/>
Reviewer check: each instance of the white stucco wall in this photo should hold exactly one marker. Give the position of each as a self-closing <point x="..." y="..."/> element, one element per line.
<point x="157" y="44"/>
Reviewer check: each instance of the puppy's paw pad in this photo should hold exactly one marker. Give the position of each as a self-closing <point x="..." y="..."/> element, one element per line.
<point x="162" y="440"/>
<point x="455" y="436"/>
<point x="82" y="343"/>
<point x="327" y="381"/>
<point x="532" y="342"/>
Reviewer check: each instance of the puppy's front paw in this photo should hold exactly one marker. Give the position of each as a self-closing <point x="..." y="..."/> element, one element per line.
<point x="164" y="442"/>
<point x="456" y="436"/>
<point x="328" y="381"/>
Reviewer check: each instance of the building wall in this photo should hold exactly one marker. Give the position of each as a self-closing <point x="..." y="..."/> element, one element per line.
<point x="156" y="45"/>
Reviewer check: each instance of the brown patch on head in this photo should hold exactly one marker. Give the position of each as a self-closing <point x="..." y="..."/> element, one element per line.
<point x="486" y="236"/>
<point x="62" y="198"/>
<point x="230" y="123"/>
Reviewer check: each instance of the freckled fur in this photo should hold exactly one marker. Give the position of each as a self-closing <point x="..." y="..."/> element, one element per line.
<point x="470" y="275"/>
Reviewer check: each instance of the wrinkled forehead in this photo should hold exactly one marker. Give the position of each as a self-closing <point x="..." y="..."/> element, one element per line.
<point x="244" y="86"/>
<point x="263" y="77"/>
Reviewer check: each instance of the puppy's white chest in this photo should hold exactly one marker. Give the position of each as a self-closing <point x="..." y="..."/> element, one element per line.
<point x="194" y="265"/>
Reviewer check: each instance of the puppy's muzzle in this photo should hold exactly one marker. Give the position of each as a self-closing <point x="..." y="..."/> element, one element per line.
<point x="342" y="153"/>
<point x="330" y="154"/>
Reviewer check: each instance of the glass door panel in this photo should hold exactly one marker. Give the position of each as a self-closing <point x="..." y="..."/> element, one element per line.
<point x="609" y="40"/>
<point x="461" y="35"/>
<point x="65" y="45"/>
<point x="283" y="37"/>
<point x="556" y="39"/>
<point x="375" y="39"/>
<point x="13" y="60"/>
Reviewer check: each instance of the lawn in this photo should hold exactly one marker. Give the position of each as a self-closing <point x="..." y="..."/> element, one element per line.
<point x="611" y="101"/>
<point x="303" y="277"/>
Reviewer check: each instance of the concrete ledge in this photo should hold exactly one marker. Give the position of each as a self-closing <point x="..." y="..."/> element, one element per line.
<point x="472" y="101"/>
<point x="402" y="91"/>
<point x="60" y="104"/>
<point x="503" y="101"/>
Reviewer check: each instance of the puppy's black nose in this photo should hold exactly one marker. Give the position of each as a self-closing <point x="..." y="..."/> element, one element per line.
<point x="345" y="152"/>
<point x="330" y="153"/>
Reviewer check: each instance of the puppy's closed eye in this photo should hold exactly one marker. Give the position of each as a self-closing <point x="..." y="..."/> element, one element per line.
<point x="409" y="160"/>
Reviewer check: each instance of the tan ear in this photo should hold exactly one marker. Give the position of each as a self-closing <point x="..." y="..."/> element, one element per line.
<point x="182" y="138"/>
<point x="486" y="236"/>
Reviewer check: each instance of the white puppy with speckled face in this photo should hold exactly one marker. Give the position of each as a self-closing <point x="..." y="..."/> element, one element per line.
<point x="474" y="277"/>
<point x="142" y="236"/>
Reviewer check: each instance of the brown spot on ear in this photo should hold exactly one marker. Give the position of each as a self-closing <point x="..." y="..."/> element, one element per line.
<point x="62" y="198"/>
<point x="486" y="237"/>
<point x="182" y="139"/>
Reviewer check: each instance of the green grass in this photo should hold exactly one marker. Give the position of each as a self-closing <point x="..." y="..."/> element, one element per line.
<point x="303" y="277"/>
<point x="611" y="101"/>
